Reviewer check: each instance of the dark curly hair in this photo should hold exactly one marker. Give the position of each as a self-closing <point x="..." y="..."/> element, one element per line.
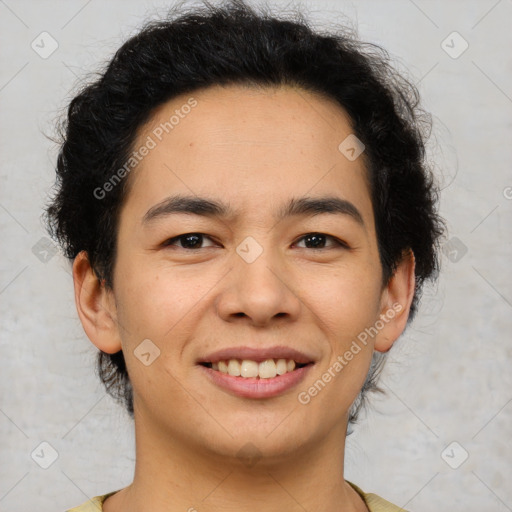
<point x="233" y="43"/>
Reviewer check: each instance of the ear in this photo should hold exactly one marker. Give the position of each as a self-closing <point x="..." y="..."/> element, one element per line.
<point x="396" y="303"/>
<point x="95" y="306"/>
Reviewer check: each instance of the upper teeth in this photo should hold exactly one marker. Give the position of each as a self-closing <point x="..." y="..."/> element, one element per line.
<point x="246" y="368"/>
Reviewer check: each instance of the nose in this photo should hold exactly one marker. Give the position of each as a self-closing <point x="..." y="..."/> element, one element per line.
<point x="260" y="293"/>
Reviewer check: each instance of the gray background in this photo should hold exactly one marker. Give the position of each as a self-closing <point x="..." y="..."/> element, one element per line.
<point x="448" y="378"/>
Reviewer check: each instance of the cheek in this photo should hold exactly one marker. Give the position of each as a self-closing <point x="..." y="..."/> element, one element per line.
<point x="154" y="312"/>
<point x="155" y="300"/>
<point x="345" y="310"/>
<point x="347" y="301"/>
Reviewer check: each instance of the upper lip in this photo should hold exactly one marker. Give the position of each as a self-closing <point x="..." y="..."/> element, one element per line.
<point x="257" y="354"/>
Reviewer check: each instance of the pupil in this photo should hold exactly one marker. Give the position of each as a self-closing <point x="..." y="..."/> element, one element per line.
<point x="192" y="237"/>
<point x="315" y="239"/>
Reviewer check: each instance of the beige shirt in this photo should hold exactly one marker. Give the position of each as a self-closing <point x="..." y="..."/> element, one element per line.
<point x="373" y="502"/>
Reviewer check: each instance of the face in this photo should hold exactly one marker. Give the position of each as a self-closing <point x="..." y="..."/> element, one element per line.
<point x="258" y="273"/>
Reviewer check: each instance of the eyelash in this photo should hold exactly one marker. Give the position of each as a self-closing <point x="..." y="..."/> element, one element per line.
<point x="339" y="243"/>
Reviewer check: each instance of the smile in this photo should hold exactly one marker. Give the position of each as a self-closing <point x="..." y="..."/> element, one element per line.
<point x="247" y="368"/>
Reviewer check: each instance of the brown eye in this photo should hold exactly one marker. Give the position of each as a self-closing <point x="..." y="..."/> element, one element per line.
<point x="317" y="241"/>
<point x="188" y="241"/>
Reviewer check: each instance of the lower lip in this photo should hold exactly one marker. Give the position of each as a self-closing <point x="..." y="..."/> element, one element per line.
<point x="255" y="387"/>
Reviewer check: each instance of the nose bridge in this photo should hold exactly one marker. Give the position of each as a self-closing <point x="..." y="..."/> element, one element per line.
<point x="259" y="266"/>
<point x="258" y="287"/>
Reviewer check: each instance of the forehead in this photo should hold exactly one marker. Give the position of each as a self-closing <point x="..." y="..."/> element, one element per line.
<point x="249" y="146"/>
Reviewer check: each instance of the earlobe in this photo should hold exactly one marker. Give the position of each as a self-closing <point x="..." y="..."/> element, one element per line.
<point x="95" y="309"/>
<point x="396" y="303"/>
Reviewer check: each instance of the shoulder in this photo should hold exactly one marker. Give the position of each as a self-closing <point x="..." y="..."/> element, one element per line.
<point x="375" y="503"/>
<point x="93" y="505"/>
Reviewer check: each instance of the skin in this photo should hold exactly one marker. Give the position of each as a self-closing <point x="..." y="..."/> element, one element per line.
<point x="255" y="149"/>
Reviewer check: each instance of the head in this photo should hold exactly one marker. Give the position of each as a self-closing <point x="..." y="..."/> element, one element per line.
<point x="236" y="107"/>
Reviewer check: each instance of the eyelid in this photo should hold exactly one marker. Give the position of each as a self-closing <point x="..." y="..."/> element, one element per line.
<point x="338" y="242"/>
<point x="171" y="241"/>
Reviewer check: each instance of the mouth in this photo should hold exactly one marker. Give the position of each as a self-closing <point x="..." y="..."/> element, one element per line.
<point x="250" y="369"/>
<point x="256" y="373"/>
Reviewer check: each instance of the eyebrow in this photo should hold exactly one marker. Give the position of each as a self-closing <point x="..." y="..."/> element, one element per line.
<point x="306" y="206"/>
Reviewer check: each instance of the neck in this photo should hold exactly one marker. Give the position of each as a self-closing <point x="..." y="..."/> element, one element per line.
<point x="172" y="476"/>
